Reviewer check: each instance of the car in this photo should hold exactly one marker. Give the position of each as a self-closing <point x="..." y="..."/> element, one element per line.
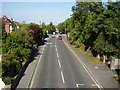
<point x="53" y="36"/>
<point x="35" y="46"/>
<point x="60" y="37"/>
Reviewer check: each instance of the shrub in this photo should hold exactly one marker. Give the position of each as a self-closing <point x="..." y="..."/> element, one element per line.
<point x="76" y="44"/>
<point x="7" y="80"/>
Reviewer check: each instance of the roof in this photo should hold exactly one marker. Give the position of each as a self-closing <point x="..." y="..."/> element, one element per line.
<point x="5" y="20"/>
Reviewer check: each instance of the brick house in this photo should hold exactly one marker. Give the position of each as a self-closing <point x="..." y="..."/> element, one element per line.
<point x="9" y="24"/>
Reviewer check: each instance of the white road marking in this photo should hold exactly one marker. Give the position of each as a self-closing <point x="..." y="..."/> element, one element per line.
<point x="86" y="69"/>
<point x="59" y="63"/>
<point x="55" y="45"/>
<point x="62" y="77"/>
<point x="49" y="43"/>
<point x="56" y="49"/>
<point x="57" y="55"/>
<point x="77" y="85"/>
<point x="46" y="38"/>
<point x="94" y="85"/>
<point x="96" y="67"/>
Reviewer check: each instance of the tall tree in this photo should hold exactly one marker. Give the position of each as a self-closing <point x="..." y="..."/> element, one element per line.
<point x="44" y="31"/>
<point x="50" y="28"/>
<point x="96" y="26"/>
<point x="36" y="32"/>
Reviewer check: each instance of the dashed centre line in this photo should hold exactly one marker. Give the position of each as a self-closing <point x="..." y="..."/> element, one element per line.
<point x="62" y="77"/>
<point x="57" y="55"/>
<point x="63" y="80"/>
<point x="56" y="50"/>
<point x="59" y="63"/>
<point x="55" y="45"/>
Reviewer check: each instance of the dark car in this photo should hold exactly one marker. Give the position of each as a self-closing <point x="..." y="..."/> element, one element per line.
<point x="60" y="37"/>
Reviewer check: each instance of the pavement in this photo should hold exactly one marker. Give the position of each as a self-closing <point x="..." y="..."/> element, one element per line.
<point x="59" y="65"/>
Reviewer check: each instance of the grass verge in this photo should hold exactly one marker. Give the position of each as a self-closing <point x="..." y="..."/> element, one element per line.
<point x="82" y="51"/>
<point x="94" y="60"/>
<point x="117" y="78"/>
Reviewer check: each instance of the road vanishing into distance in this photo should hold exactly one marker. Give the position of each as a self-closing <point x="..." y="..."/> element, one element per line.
<point x="58" y="67"/>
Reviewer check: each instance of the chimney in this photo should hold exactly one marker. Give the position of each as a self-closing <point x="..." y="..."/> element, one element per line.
<point x="5" y="18"/>
<point x="11" y="19"/>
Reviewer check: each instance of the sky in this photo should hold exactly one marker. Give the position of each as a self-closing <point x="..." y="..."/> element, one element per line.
<point x="37" y="11"/>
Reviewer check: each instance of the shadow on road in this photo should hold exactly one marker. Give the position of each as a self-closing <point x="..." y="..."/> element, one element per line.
<point x="35" y="52"/>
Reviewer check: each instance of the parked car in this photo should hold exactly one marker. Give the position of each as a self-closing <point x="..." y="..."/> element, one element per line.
<point x="35" y="46"/>
<point x="60" y="37"/>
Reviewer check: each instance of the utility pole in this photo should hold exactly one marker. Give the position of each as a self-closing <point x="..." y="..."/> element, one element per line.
<point x="65" y="28"/>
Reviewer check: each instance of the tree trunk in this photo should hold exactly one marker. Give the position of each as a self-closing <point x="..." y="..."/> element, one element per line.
<point x="104" y="58"/>
<point x="98" y="56"/>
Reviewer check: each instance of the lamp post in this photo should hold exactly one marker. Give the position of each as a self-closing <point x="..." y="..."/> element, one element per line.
<point x="40" y="22"/>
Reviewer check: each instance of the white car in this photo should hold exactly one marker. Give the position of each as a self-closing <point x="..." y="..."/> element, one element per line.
<point x="53" y="36"/>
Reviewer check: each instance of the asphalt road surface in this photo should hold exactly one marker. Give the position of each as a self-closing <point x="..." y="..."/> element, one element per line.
<point x="59" y="68"/>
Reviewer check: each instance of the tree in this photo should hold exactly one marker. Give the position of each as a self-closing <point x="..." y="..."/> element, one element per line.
<point x="16" y="49"/>
<point x="102" y="45"/>
<point x="36" y="32"/>
<point x="44" y="31"/>
<point x="61" y="27"/>
<point x="110" y="30"/>
<point x="96" y="26"/>
<point x="50" y="28"/>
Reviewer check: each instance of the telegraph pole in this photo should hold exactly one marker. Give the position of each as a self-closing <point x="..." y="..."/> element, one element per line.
<point x="65" y="28"/>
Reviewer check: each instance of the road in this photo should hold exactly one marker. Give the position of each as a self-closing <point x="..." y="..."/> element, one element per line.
<point x="59" y="68"/>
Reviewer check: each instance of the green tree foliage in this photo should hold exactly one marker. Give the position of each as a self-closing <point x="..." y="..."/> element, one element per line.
<point x="102" y="46"/>
<point x="110" y="30"/>
<point x="61" y="27"/>
<point x="36" y="32"/>
<point x="43" y="26"/>
<point x="50" y="28"/>
<point x="16" y="49"/>
<point x="96" y="26"/>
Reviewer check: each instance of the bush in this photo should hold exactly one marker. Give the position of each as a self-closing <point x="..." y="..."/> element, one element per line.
<point x="10" y="67"/>
<point x="7" y="80"/>
<point x="5" y="67"/>
<point x="76" y="44"/>
<point x="15" y="64"/>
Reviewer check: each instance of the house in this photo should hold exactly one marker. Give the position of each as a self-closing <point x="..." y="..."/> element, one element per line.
<point x="9" y="24"/>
